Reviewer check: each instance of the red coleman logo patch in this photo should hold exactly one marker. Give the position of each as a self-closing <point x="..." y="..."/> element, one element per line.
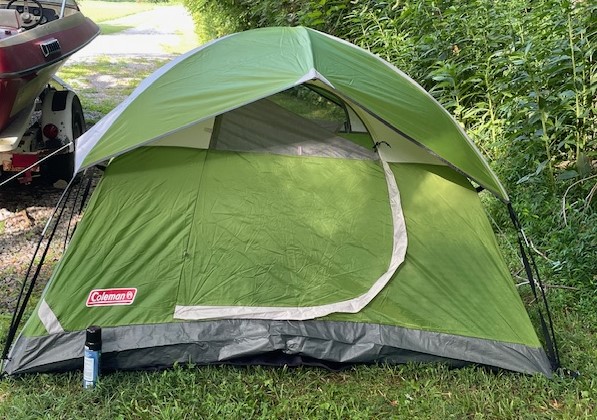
<point x="108" y="297"/>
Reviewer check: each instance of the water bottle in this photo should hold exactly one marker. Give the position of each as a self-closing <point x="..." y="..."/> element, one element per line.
<point x="92" y="355"/>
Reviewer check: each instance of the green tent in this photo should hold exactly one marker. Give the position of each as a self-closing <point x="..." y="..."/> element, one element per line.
<point x="282" y="196"/>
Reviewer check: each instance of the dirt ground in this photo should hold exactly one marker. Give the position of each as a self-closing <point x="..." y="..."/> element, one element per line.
<point x="25" y="209"/>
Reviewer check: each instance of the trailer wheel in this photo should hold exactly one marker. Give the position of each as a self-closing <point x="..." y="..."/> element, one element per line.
<point x="62" y="166"/>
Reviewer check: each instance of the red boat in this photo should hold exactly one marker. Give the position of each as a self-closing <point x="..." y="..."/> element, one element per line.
<point x="36" y="37"/>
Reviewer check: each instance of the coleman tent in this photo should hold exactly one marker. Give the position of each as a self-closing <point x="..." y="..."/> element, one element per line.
<point x="282" y="196"/>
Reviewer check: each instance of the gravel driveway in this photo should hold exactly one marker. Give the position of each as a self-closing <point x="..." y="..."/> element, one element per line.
<point x="24" y="209"/>
<point x="155" y="34"/>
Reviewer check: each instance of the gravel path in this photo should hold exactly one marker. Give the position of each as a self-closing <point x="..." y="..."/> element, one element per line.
<point x="24" y="209"/>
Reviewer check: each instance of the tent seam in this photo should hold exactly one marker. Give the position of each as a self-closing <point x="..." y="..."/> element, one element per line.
<point x="192" y="223"/>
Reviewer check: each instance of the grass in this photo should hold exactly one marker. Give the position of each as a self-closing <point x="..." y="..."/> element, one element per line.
<point x="187" y="42"/>
<point x="103" y="11"/>
<point x="106" y="83"/>
<point x="107" y="29"/>
<point x="431" y="391"/>
<point x="407" y="391"/>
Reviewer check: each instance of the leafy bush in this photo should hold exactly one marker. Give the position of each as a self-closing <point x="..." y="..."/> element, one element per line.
<point x="216" y="18"/>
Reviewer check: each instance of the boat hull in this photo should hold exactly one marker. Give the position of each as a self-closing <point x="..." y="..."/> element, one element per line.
<point x="29" y="59"/>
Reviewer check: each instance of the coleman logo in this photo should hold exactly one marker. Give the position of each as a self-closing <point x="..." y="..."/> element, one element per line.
<point x="108" y="297"/>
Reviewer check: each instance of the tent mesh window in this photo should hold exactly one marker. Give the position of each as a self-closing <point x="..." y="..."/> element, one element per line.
<point x="297" y="122"/>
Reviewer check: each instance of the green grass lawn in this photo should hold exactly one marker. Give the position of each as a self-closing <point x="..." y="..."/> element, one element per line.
<point x="107" y="82"/>
<point x="107" y="29"/>
<point x="366" y="392"/>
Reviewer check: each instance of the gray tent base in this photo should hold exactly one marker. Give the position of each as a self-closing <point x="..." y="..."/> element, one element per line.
<point x="269" y="342"/>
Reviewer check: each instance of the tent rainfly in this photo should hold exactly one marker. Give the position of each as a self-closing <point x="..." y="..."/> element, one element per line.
<point x="282" y="196"/>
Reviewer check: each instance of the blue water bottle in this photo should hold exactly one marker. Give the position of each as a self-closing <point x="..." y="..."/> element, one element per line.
<point x="92" y="356"/>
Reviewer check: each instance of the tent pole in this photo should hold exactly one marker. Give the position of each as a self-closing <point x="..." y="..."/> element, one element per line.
<point x="534" y="281"/>
<point x="81" y="205"/>
<point x="86" y="192"/>
<point x="72" y="212"/>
